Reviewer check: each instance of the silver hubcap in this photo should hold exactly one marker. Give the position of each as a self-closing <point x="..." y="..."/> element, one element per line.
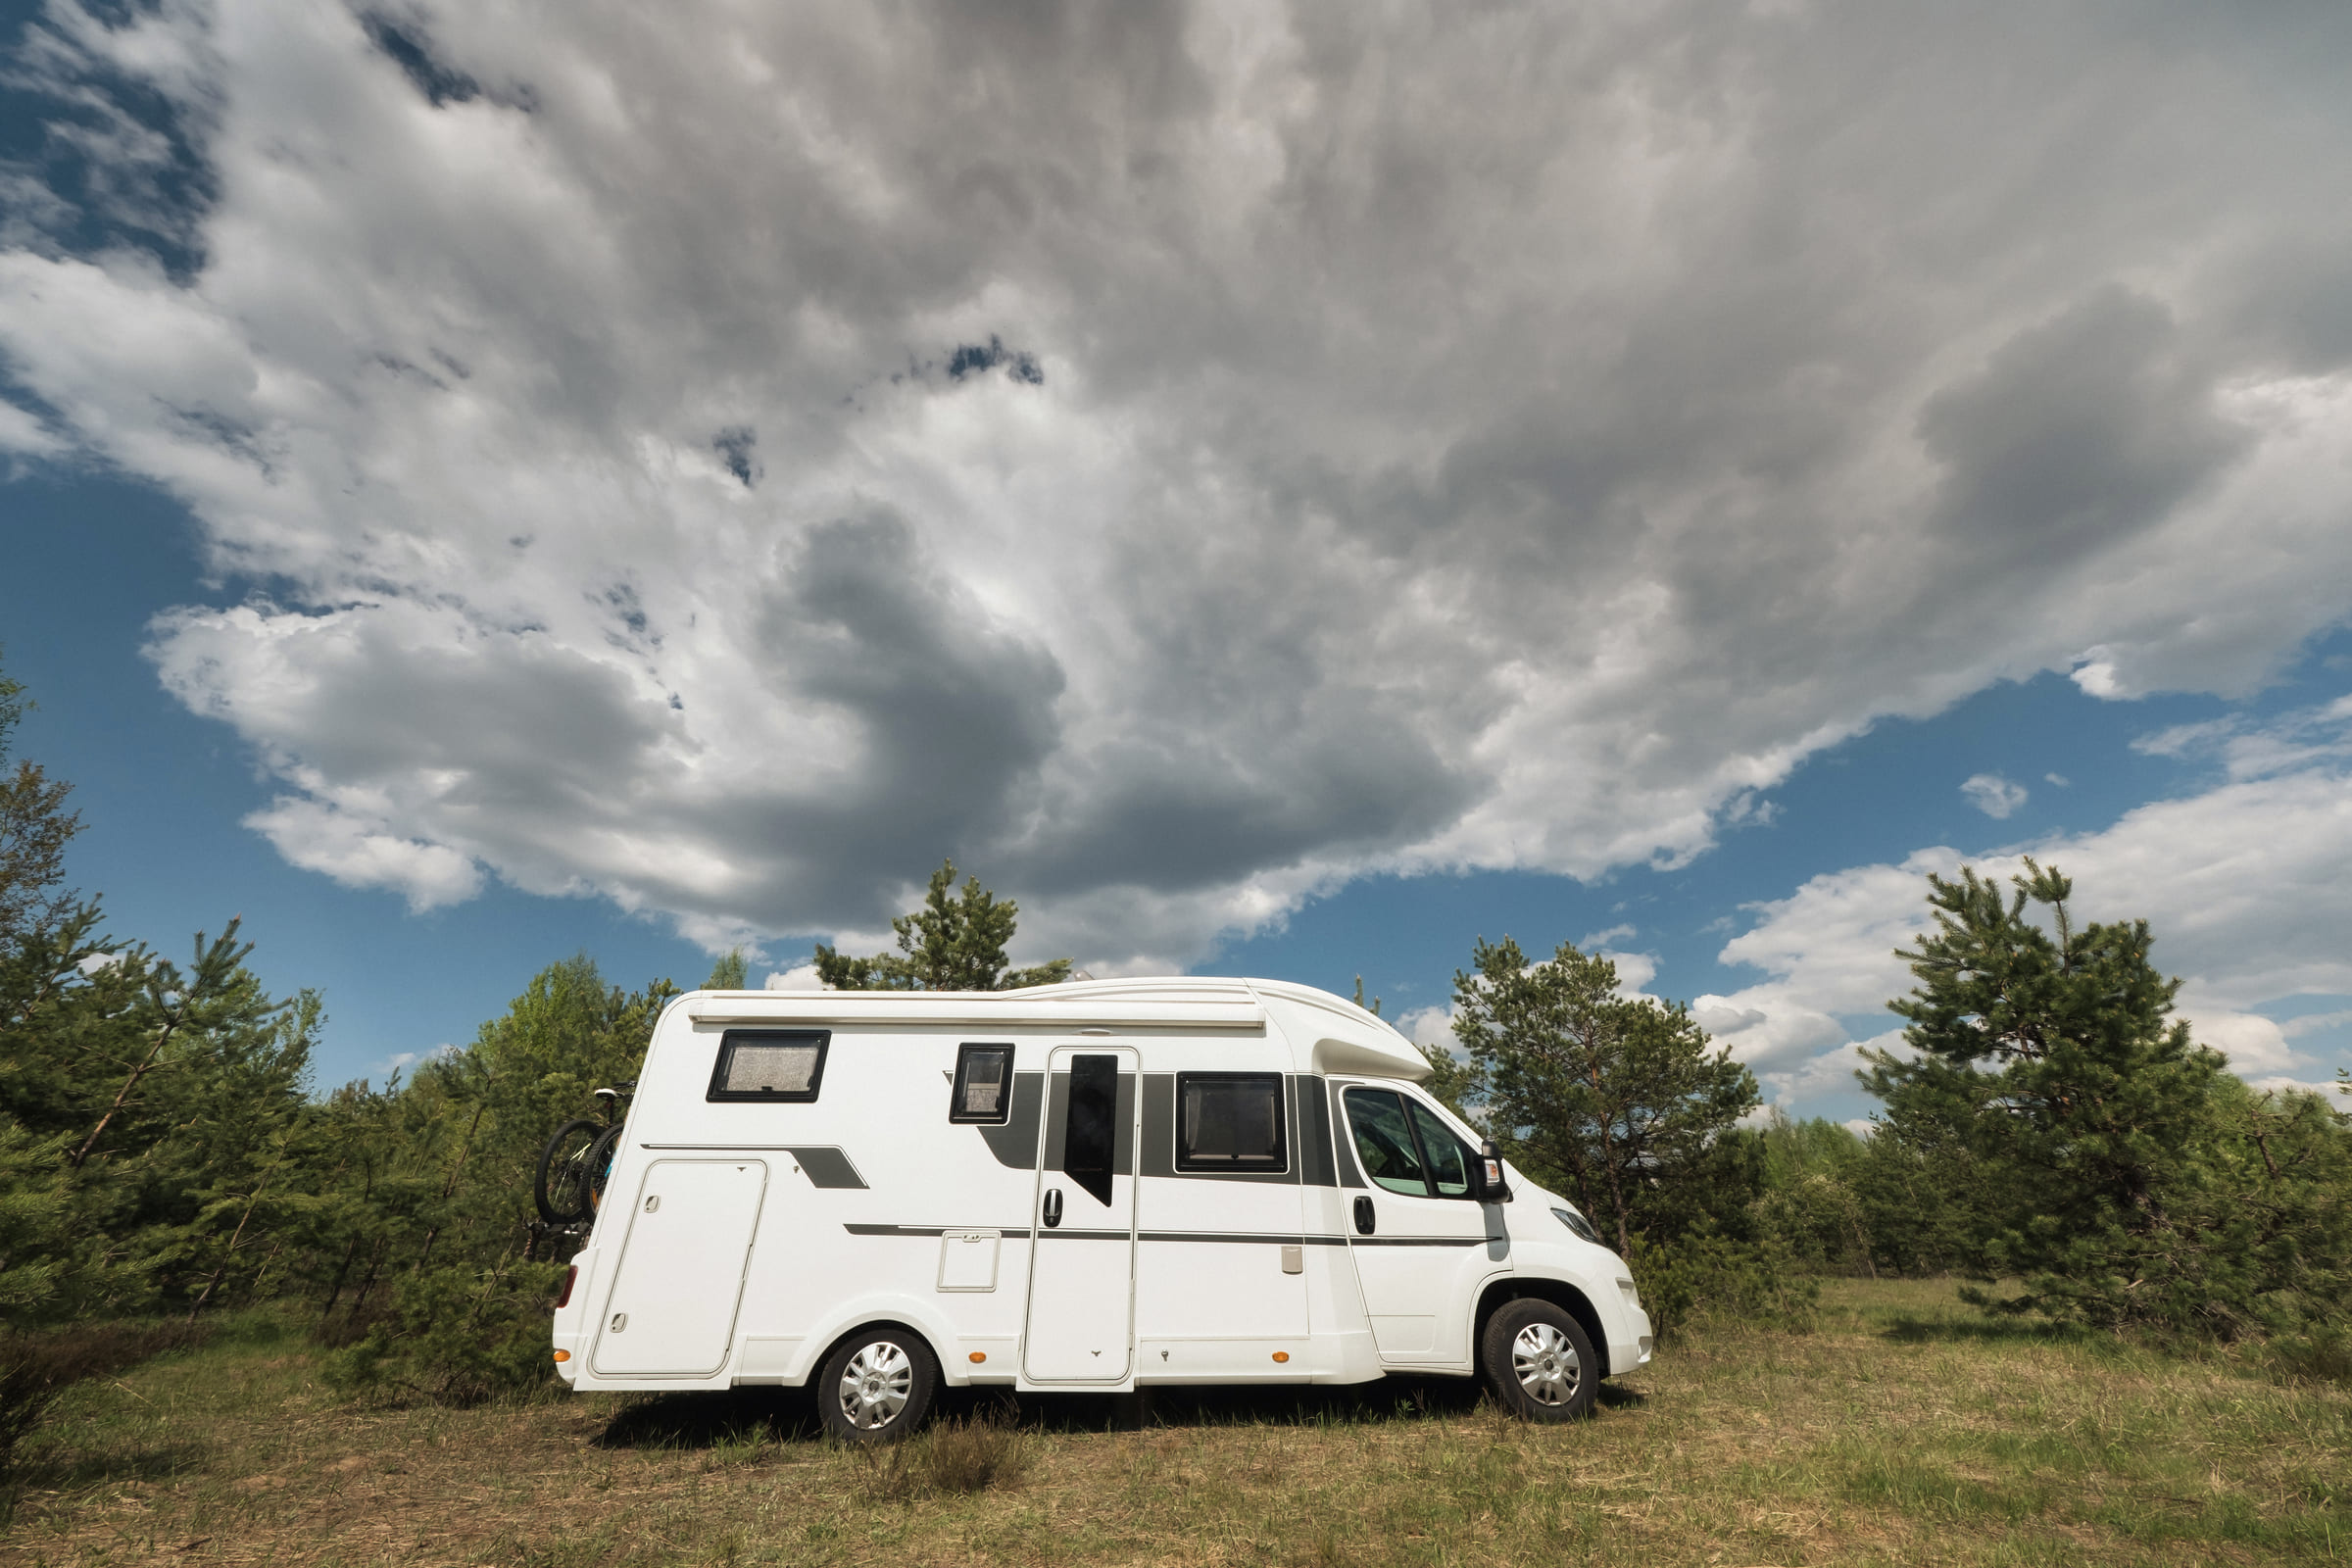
<point x="1546" y="1364"/>
<point x="874" y="1385"/>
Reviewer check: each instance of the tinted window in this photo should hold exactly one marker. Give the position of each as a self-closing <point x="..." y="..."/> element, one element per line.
<point x="1449" y="1160"/>
<point x="1384" y="1141"/>
<point x="1090" y="1130"/>
<point x="983" y="1090"/>
<point x="1229" y="1121"/>
<point x="773" y="1064"/>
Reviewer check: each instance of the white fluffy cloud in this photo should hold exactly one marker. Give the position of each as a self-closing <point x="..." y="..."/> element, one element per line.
<point x="2247" y="887"/>
<point x="1174" y="458"/>
<point x="1993" y="795"/>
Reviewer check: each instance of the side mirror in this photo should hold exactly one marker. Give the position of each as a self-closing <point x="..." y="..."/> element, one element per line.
<point x="1491" y="1188"/>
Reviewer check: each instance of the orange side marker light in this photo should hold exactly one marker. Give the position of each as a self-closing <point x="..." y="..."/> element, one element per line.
<point x="979" y="1355"/>
<point x="563" y="1355"/>
<point x="1282" y="1355"/>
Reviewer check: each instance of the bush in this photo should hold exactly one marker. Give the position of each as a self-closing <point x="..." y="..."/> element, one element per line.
<point x="2322" y="1354"/>
<point x="1704" y="1277"/>
<point x="457" y="1336"/>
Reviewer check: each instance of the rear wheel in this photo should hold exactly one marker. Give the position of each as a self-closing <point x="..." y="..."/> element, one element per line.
<point x="1539" y="1361"/>
<point x="876" y="1386"/>
<point x="596" y="1169"/>
<point x="561" y="1186"/>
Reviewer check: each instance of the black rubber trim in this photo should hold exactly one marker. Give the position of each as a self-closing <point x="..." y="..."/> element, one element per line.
<point x="1420" y="1241"/>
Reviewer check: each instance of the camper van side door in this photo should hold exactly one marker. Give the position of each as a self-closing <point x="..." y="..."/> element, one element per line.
<point x="1081" y="1318"/>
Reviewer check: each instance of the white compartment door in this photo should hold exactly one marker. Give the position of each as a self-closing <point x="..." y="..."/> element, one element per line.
<point x="1081" y="1320"/>
<point x="672" y="1312"/>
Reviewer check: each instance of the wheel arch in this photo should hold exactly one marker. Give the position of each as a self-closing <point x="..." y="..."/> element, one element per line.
<point x="866" y="1325"/>
<point x="1563" y="1295"/>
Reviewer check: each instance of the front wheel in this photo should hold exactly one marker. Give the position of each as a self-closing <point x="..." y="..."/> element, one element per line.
<point x="876" y="1386"/>
<point x="1539" y="1361"/>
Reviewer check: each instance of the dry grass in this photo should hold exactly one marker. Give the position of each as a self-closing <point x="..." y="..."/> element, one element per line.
<point x="1905" y="1430"/>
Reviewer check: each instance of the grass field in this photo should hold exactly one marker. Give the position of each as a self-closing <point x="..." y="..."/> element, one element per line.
<point x="1904" y="1430"/>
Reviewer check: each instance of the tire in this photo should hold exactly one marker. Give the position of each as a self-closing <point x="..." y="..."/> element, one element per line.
<point x="877" y="1385"/>
<point x="560" y="1188"/>
<point x="1539" y="1361"/>
<point x="599" y="1169"/>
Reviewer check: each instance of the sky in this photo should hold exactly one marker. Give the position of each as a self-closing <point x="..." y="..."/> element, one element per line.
<point x="1276" y="490"/>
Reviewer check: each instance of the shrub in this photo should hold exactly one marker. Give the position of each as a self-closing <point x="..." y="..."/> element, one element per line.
<point x="1703" y="1276"/>
<point x="457" y="1336"/>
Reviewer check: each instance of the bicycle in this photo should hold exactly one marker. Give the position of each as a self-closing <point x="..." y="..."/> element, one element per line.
<point x="573" y="1166"/>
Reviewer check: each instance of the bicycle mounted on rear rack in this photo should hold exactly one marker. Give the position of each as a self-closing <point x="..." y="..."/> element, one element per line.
<point x="573" y="1166"/>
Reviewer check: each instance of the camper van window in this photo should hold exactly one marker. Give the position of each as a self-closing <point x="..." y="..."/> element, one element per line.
<point x="1090" y="1127"/>
<point x="1449" y="1160"/>
<point x="1229" y="1121"/>
<point x="770" y="1064"/>
<point x="1384" y="1141"/>
<point x="983" y="1085"/>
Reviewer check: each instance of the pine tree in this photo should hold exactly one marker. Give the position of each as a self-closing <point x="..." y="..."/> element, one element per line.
<point x="952" y="943"/>
<point x="1618" y="1101"/>
<point x="2123" y="1174"/>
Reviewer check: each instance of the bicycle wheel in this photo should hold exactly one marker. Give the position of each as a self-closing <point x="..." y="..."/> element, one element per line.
<point x="561" y="1186"/>
<point x="598" y="1166"/>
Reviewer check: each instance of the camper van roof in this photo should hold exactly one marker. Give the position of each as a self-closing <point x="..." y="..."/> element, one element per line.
<point x="1188" y="1001"/>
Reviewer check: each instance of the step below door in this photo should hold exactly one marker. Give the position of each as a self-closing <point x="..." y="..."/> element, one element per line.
<point x="671" y="1313"/>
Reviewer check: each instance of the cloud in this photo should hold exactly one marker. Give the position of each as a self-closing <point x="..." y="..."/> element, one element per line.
<point x="1993" y="795"/>
<point x="1428" y="1026"/>
<point x="2246" y="886"/>
<point x="1175" y="459"/>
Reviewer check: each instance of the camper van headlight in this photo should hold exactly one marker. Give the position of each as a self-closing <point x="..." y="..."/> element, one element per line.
<point x="1578" y="1224"/>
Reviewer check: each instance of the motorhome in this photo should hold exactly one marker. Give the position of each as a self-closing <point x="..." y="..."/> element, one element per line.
<point x="1099" y="1186"/>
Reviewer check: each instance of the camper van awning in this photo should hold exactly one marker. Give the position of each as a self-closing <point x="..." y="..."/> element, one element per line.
<point x="976" y="1009"/>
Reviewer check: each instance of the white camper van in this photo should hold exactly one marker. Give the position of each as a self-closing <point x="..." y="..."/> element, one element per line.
<point x="1094" y="1187"/>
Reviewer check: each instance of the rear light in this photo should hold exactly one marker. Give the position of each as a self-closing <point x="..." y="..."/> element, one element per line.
<point x="571" y="1277"/>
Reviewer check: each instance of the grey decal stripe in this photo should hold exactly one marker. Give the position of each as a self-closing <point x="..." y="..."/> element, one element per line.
<point x="1261" y="1238"/>
<point x="823" y="1165"/>
<point x="1419" y="1241"/>
<point x="1267" y="1238"/>
<point x="935" y="1230"/>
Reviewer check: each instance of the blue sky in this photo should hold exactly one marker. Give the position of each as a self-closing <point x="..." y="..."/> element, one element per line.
<point x="453" y="523"/>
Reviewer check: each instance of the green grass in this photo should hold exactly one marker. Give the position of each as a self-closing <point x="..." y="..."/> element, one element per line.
<point x="1905" y="1430"/>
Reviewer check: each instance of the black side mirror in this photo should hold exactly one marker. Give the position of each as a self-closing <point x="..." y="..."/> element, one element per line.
<point x="1491" y="1188"/>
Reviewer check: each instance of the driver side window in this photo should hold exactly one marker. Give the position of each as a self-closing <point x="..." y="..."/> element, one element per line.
<point x="1384" y="1141"/>
<point x="1404" y="1148"/>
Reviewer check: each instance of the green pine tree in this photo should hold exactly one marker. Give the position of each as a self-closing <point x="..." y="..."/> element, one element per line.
<point x="2123" y="1174"/>
<point x="1618" y="1103"/>
<point x="955" y="942"/>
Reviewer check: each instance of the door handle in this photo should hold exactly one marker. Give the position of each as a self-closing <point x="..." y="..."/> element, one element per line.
<point x="1053" y="1207"/>
<point x="1364" y="1217"/>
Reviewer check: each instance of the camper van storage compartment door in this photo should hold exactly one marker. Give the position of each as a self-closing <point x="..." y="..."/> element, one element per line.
<point x="1081" y="1318"/>
<point x="967" y="1259"/>
<point x="671" y="1313"/>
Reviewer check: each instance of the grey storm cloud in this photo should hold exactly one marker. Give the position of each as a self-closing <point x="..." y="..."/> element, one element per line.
<point x="1176" y="459"/>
